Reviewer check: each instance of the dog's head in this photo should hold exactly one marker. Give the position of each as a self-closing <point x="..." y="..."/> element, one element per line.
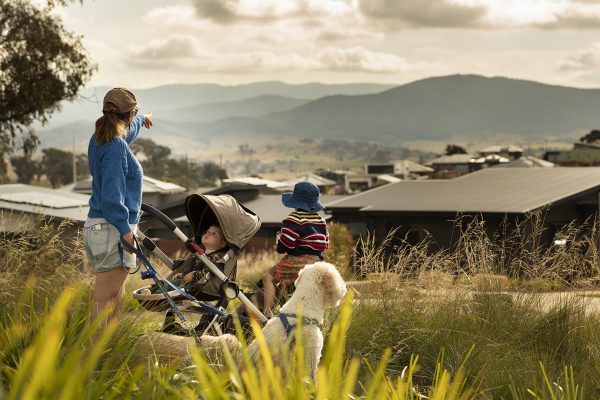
<point x="324" y="277"/>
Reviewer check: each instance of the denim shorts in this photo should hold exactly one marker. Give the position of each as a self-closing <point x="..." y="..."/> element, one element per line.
<point x="101" y="245"/>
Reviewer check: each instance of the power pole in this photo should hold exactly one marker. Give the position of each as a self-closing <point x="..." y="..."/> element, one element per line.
<point x="74" y="163"/>
<point x="186" y="173"/>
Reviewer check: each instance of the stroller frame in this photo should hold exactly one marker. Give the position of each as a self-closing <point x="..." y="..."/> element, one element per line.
<point x="228" y="288"/>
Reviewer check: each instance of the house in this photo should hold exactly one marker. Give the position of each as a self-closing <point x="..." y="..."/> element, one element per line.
<point x="595" y="145"/>
<point x="325" y="185"/>
<point x="490" y="160"/>
<point x="450" y="166"/>
<point x="511" y="152"/>
<point x="254" y="181"/>
<point x="526" y="162"/>
<point x="404" y="169"/>
<point x="377" y="174"/>
<point x="23" y="206"/>
<point x="494" y="194"/>
<point x="19" y="200"/>
<point x="157" y="193"/>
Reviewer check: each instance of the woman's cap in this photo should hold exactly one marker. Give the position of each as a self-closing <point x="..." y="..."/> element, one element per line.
<point x="305" y="196"/>
<point x="119" y="100"/>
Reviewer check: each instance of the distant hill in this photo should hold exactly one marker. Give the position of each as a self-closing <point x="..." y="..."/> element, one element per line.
<point x="466" y="106"/>
<point x="172" y="97"/>
<point x="456" y="107"/>
<point x="252" y="107"/>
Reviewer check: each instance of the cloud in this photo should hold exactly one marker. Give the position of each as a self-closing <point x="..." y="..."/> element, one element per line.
<point x="173" y="48"/>
<point x="360" y="59"/>
<point x="584" y="61"/>
<point x="177" y="16"/>
<point x="572" y="20"/>
<point x="232" y="11"/>
<point x="424" y="13"/>
<point x="223" y="11"/>
<point x="186" y="53"/>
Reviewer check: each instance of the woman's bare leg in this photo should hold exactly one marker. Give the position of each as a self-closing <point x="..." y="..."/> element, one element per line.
<point x="269" y="293"/>
<point x="108" y="293"/>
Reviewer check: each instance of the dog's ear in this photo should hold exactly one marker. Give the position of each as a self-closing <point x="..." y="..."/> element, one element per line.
<point x="334" y="287"/>
<point x="300" y="273"/>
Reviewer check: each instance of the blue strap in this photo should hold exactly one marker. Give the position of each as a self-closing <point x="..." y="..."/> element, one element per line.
<point x="286" y="324"/>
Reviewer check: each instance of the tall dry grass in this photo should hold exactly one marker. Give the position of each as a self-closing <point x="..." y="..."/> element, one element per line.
<point x="516" y="250"/>
<point x="509" y="346"/>
<point x="43" y="250"/>
<point x="388" y="347"/>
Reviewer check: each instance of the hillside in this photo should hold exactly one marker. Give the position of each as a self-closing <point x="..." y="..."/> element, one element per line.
<point x="459" y="106"/>
<point x="188" y="96"/>
<point x="466" y="108"/>
<point x="252" y="107"/>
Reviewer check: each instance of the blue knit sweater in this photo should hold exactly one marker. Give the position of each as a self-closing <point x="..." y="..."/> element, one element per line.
<point x="116" y="180"/>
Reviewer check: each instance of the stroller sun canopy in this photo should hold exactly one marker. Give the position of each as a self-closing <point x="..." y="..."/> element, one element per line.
<point x="238" y="223"/>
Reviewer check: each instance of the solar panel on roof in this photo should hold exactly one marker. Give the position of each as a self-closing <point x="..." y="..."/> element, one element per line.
<point x="43" y="199"/>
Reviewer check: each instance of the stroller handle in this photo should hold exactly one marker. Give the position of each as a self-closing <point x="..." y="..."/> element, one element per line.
<point x="173" y="227"/>
<point x="165" y="220"/>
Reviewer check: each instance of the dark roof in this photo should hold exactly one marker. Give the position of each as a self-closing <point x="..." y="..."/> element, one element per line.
<point x="492" y="190"/>
<point x="270" y="209"/>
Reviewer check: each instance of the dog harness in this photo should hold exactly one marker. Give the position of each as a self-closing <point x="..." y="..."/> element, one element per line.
<point x="289" y="328"/>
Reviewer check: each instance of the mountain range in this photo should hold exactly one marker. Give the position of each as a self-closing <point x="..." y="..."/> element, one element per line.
<point x="465" y="107"/>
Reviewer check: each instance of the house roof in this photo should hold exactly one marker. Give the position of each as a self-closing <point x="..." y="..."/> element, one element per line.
<point x="270" y="209"/>
<point x="501" y="149"/>
<point x="492" y="190"/>
<point x="388" y="178"/>
<point x="400" y="167"/>
<point x="488" y="158"/>
<point x="312" y="178"/>
<point x="526" y="162"/>
<point x="43" y="201"/>
<point x="453" y="159"/>
<point x="252" y="181"/>
<point x="149" y="185"/>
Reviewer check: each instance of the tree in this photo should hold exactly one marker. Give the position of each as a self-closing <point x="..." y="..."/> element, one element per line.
<point x="41" y="64"/>
<point x="25" y="168"/>
<point x="155" y="157"/>
<point x="454" y="149"/>
<point x="591" y="137"/>
<point x="57" y="165"/>
<point x="158" y="163"/>
<point x="210" y="172"/>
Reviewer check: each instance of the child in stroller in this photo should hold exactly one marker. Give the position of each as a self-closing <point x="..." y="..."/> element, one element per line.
<point x="191" y="274"/>
<point x="222" y="225"/>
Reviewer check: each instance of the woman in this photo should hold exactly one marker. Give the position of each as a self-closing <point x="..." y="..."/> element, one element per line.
<point x="116" y="197"/>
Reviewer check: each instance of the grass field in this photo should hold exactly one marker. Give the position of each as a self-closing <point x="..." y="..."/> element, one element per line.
<point x="475" y="334"/>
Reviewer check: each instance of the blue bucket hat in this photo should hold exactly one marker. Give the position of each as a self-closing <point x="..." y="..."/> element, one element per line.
<point x="305" y="197"/>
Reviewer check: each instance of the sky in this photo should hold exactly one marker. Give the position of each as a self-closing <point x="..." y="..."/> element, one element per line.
<point x="147" y="43"/>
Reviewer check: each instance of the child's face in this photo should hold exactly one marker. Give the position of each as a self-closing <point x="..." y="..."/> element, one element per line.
<point x="213" y="238"/>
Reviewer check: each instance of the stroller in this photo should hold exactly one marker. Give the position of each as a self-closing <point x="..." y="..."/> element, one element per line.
<point x="238" y="224"/>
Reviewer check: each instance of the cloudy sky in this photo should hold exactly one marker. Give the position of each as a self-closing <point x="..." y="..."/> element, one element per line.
<point x="145" y="43"/>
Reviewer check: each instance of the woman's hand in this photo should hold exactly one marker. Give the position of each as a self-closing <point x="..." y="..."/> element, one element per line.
<point x="148" y="120"/>
<point x="128" y="237"/>
<point x="187" y="278"/>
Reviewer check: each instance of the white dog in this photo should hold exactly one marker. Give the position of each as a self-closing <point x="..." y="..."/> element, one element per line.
<point x="319" y="286"/>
